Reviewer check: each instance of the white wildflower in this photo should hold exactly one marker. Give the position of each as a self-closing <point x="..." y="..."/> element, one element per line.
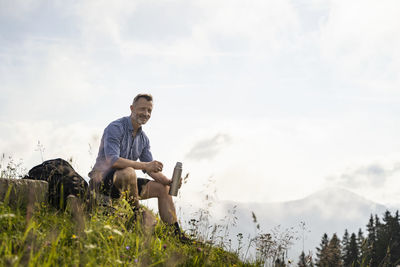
<point x="88" y="231"/>
<point x="117" y="232"/>
<point x="90" y="246"/>
<point x="107" y="227"/>
<point x="7" y="215"/>
<point x="118" y="261"/>
<point x="13" y="260"/>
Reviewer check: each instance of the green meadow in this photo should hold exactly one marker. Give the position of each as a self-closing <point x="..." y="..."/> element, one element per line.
<point x="105" y="236"/>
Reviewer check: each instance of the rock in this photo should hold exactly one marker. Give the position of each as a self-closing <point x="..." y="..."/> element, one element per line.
<point x="74" y="206"/>
<point x="23" y="192"/>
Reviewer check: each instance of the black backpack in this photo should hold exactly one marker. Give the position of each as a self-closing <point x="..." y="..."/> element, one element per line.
<point x="63" y="181"/>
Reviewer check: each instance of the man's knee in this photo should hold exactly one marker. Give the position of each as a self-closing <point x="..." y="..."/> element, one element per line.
<point x="154" y="189"/>
<point x="162" y="190"/>
<point x="125" y="178"/>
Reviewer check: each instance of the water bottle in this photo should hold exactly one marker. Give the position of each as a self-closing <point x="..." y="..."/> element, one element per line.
<point x="176" y="179"/>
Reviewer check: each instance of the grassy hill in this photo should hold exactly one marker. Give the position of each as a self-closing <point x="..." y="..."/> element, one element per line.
<point x="43" y="236"/>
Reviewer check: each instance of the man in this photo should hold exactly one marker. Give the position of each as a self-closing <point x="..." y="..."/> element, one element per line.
<point x="122" y="144"/>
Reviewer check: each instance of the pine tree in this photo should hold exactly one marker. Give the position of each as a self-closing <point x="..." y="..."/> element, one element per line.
<point x="302" y="260"/>
<point x="361" y="241"/>
<point x="369" y="257"/>
<point x="322" y="252"/>
<point x="346" y="248"/>
<point x="345" y="239"/>
<point x="334" y="252"/>
<point x="388" y="239"/>
<point x="396" y="239"/>
<point x="383" y="238"/>
<point x="305" y="260"/>
<point x="353" y="259"/>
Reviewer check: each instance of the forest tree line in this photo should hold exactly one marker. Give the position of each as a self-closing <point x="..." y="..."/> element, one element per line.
<point x="379" y="246"/>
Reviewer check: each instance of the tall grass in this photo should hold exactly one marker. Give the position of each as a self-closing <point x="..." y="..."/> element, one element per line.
<point x="113" y="236"/>
<point x="53" y="238"/>
<point x="105" y="236"/>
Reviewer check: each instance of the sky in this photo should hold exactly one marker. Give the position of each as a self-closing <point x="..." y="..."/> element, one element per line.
<point x="267" y="100"/>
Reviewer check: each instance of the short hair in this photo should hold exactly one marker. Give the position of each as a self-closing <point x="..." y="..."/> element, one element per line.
<point x="148" y="97"/>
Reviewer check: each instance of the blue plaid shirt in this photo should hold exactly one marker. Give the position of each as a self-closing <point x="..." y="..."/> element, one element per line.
<point x="118" y="141"/>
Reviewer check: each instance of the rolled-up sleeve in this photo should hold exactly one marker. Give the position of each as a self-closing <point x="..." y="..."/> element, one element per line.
<point x="112" y="142"/>
<point x="146" y="155"/>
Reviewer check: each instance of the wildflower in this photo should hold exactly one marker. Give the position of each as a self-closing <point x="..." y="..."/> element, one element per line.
<point x="118" y="261"/>
<point x="7" y="215"/>
<point x="117" y="232"/>
<point x="199" y="249"/>
<point x="13" y="260"/>
<point x="74" y="237"/>
<point x="136" y="260"/>
<point x="164" y="246"/>
<point x="90" y="246"/>
<point x="107" y="227"/>
<point x="110" y="237"/>
<point x="128" y="247"/>
<point x="88" y="231"/>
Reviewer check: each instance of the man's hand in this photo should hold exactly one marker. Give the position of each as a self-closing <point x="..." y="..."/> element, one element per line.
<point x="153" y="166"/>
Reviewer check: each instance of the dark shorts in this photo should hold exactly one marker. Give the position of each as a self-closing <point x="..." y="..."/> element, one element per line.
<point x="109" y="189"/>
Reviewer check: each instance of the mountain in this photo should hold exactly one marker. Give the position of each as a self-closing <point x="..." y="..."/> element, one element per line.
<point x="331" y="210"/>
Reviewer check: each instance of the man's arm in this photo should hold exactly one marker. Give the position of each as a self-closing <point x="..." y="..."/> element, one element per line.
<point x="150" y="167"/>
<point x="159" y="177"/>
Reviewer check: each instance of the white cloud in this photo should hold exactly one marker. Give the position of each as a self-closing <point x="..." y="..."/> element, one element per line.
<point x="263" y="24"/>
<point x="211" y="28"/>
<point x="18" y="8"/>
<point x="19" y="140"/>
<point x="297" y="59"/>
<point x="371" y="176"/>
<point x="102" y="21"/>
<point x="360" y="39"/>
<point x="48" y="79"/>
<point x="271" y="160"/>
<point x="377" y="181"/>
<point x="208" y="148"/>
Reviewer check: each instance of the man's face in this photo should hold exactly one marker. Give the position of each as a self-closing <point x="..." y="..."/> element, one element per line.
<point x="141" y="110"/>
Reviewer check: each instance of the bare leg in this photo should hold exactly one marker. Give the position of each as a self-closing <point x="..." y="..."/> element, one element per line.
<point x="165" y="204"/>
<point x="125" y="180"/>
